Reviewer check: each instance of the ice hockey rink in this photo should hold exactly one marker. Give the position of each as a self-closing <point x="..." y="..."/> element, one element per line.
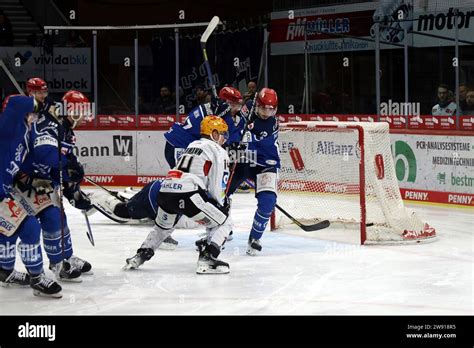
<point x="296" y="273"/>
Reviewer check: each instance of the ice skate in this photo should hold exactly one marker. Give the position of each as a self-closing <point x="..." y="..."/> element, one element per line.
<point x="82" y="265"/>
<point x="66" y="272"/>
<point x="207" y="264"/>
<point x="13" y="278"/>
<point x="254" y="247"/>
<point x="45" y="287"/>
<point x="139" y="259"/>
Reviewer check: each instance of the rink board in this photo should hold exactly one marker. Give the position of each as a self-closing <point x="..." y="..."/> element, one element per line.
<point x="136" y="157"/>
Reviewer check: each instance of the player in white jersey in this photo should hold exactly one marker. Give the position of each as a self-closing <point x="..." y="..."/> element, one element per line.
<point x="195" y="188"/>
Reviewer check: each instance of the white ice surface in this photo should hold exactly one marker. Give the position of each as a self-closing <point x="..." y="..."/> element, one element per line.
<point x="294" y="274"/>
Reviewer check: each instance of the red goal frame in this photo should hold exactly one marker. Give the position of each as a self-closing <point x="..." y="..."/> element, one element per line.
<point x="362" y="193"/>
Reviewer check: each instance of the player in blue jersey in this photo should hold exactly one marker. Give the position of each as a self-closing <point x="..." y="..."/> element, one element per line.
<point x="181" y="135"/>
<point x="15" y="222"/>
<point x="262" y="161"/>
<point x="52" y="139"/>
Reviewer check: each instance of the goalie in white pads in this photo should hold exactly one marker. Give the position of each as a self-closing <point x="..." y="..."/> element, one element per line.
<point x="135" y="206"/>
<point x="194" y="188"/>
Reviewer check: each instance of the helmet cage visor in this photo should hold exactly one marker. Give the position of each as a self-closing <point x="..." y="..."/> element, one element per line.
<point x="266" y="111"/>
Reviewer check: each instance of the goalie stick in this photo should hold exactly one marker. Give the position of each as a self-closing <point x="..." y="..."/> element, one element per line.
<point x="113" y="193"/>
<point x="110" y="192"/>
<point x="307" y="228"/>
<point x="205" y="36"/>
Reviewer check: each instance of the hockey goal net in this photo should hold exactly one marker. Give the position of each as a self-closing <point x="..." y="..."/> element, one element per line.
<point x="344" y="172"/>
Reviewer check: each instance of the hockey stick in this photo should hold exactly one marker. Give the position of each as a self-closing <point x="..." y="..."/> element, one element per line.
<point x="113" y="193"/>
<point x="10" y="77"/>
<point x="307" y="228"/>
<point x="105" y="213"/>
<point x="205" y="36"/>
<point x="89" y="230"/>
<point x="61" y="182"/>
<point x="234" y="165"/>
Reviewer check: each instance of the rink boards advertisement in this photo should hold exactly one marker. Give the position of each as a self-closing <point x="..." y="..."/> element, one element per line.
<point x="338" y="28"/>
<point x="435" y="167"/>
<point x="120" y="154"/>
<point x="66" y="68"/>
<point x="429" y="168"/>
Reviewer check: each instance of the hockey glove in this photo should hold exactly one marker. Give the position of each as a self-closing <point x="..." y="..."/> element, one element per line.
<point x="238" y="147"/>
<point x="227" y="204"/>
<point x="236" y="152"/>
<point x="75" y="171"/>
<point x="40" y="185"/>
<point x="220" y="108"/>
<point x="76" y="197"/>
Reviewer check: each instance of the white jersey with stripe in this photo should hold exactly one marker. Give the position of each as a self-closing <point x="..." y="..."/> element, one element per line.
<point x="448" y="110"/>
<point x="204" y="164"/>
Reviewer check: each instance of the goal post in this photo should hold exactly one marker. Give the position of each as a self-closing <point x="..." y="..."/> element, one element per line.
<point x="344" y="172"/>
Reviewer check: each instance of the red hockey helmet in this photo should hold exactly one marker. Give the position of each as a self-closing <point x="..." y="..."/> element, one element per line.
<point x="75" y="97"/>
<point x="230" y="94"/>
<point x="267" y="103"/>
<point x="232" y="97"/>
<point x="76" y="106"/>
<point x="36" y="84"/>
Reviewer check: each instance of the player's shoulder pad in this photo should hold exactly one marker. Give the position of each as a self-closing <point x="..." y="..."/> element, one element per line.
<point x="207" y="108"/>
<point x="245" y="110"/>
<point x="43" y="137"/>
<point x="46" y="123"/>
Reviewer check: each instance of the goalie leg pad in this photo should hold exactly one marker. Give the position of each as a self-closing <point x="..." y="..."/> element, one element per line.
<point x="106" y="203"/>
